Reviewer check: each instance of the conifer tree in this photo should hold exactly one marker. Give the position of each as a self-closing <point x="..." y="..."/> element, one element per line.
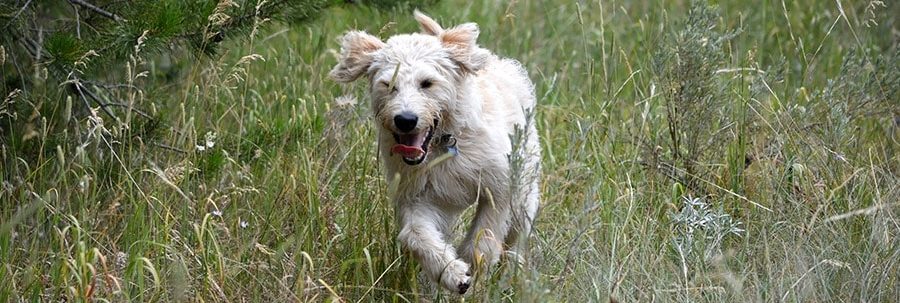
<point x="71" y="43"/>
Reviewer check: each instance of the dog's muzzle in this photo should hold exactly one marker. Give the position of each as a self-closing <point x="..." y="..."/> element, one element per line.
<point x="413" y="147"/>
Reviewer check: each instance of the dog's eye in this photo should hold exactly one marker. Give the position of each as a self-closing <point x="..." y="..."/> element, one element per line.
<point x="388" y="86"/>
<point x="425" y="84"/>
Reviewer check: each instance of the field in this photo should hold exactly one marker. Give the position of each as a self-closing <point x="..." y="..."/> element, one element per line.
<point x="743" y="152"/>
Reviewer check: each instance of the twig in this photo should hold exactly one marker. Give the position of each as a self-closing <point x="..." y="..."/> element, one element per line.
<point x="82" y="90"/>
<point x="859" y="212"/>
<point x="18" y="70"/>
<point x="16" y="16"/>
<point x="87" y="104"/>
<point x="105" y="104"/>
<point x="109" y="86"/>
<point x="77" y="20"/>
<point x="97" y="10"/>
<point x="135" y="110"/>
<point x="168" y="147"/>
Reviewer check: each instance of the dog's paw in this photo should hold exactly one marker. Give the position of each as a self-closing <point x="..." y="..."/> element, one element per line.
<point x="457" y="277"/>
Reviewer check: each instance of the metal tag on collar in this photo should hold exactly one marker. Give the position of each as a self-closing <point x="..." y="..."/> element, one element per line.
<point x="450" y="142"/>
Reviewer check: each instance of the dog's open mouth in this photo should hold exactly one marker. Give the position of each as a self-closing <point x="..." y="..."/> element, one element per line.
<point x="413" y="147"/>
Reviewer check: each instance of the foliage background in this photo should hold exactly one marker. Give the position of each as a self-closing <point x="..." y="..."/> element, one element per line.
<point x="729" y="152"/>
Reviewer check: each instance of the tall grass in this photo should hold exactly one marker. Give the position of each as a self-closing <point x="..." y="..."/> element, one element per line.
<point x="258" y="179"/>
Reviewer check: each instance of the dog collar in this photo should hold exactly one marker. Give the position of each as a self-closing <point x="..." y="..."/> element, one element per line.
<point x="448" y="141"/>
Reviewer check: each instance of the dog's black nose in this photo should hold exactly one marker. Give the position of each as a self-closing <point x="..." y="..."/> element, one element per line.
<point x="406" y="121"/>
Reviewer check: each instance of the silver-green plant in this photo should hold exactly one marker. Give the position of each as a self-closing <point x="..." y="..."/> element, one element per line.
<point x="698" y="227"/>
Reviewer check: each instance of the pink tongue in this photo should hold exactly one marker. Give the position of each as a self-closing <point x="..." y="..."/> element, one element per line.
<point x="407" y="151"/>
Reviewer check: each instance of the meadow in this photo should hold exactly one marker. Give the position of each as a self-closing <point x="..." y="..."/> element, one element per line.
<point x="747" y="151"/>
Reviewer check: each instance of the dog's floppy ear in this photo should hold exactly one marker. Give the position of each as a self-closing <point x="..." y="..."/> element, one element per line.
<point x="356" y="56"/>
<point x="428" y="25"/>
<point x="460" y="41"/>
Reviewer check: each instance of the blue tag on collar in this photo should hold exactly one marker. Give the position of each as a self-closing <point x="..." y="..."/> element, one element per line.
<point x="450" y="142"/>
<point x="453" y="150"/>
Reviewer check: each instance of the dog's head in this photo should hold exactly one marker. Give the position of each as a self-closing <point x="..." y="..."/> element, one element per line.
<point x="414" y="79"/>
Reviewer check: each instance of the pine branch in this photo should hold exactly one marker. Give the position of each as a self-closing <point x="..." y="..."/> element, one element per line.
<point x="78" y="83"/>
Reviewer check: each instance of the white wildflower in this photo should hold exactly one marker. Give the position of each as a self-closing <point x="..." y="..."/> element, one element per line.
<point x="210" y="139"/>
<point x="208" y="143"/>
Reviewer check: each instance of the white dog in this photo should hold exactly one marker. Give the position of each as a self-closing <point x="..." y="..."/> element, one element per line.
<point x="438" y="92"/>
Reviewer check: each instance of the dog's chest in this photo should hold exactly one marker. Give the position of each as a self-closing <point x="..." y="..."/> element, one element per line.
<point x="450" y="184"/>
<point x="458" y="182"/>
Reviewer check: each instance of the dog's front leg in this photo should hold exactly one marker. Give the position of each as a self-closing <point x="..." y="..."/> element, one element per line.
<point x="422" y="232"/>
<point x="484" y="241"/>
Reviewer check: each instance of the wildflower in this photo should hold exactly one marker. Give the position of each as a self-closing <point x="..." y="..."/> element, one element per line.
<point x="210" y="139"/>
<point x="209" y="142"/>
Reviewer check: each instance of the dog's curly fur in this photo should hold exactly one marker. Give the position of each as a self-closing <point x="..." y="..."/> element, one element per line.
<point x="456" y="88"/>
